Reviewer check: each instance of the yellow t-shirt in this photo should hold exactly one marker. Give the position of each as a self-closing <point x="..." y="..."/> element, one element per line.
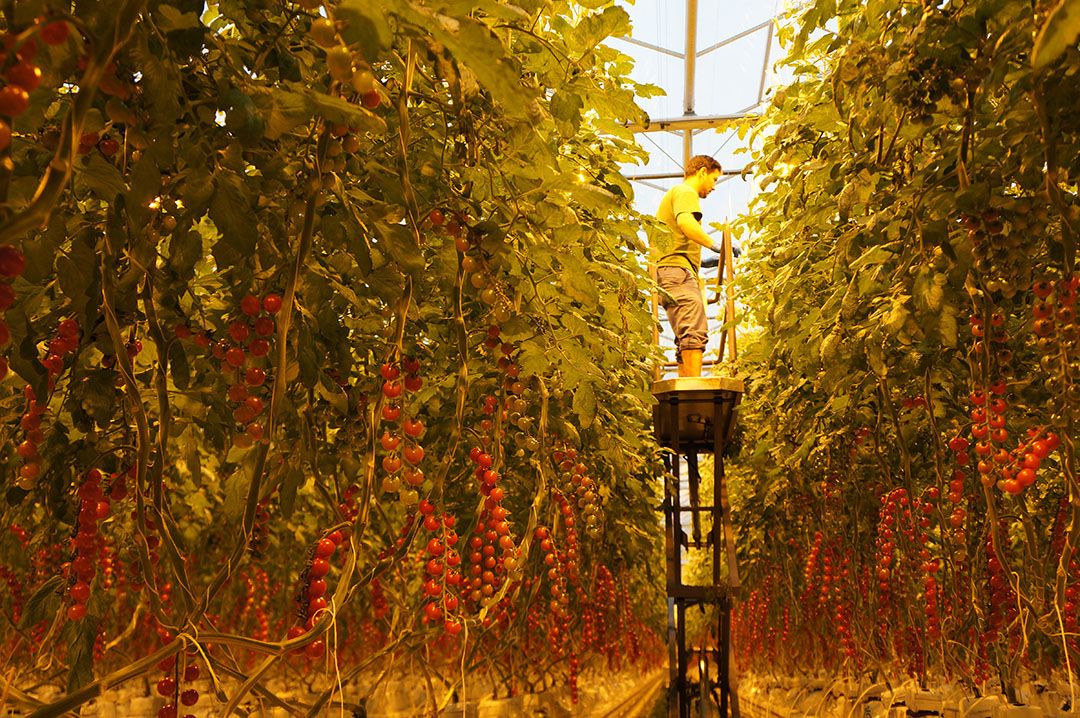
<point x="684" y="252"/>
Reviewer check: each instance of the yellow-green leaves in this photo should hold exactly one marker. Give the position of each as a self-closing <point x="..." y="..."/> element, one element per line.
<point x="1061" y="30"/>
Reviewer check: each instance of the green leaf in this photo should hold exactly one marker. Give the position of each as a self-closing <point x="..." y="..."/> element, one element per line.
<point x="472" y="43"/>
<point x="291" y="480"/>
<point x="366" y="23"/>
<point x="77" y="273"/>
<point x="185" y="251"/>
<point x="169" y="19"/>
<point x="236" y="490"/>
<point x="874" y="256"/>
<point x="96" y="174"/>
<point x="97" y="395"/>
<point x="400" y="242"/>
<point x="80" y="655"/>
<point x="578" y="285"/>
<point x="178" y="365"/>
<point x="41" y="253"/>
<point x="1060" y="31"/>
<point x="145" y="186"/>
<point x="231" y="211"/>
<point x="288" y="109"/>
<point x="584" y="404"/>
<point x="25" y="361"/>
<point x="334" y="395"/>
<point x="947" y="326"/>
<point x="44" y="602"/>
<point x="339" y="111"/>
<point x="567" y="106"/>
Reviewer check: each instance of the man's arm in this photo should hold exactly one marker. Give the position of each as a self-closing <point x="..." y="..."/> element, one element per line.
<point x="693" y="231"/>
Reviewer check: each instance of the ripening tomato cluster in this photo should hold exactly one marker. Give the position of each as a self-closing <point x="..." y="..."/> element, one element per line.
<point x="170" y="686"/>
<point x="894" y="505"/>
<point x="477" y="266"/>
<point x="349" y="506"/>
<point x="311" y="599"/>
<point x="1058" y="338"/>
<point x="577" y="482"/>
<point x="402" y="458"/>
<point x="837" y="579"/>
<point x="599" y="618"/>
<point x="137" y="581"/>
<point x="15" y="590"/>
<point x="65" y="342"/>
<point x="348" y="68"/>
<point x="562" y="572"/>
<point x="959" y="447"/>
<point x="247" y="346"/>
<point x="750" y="620"/>
<point x="441" y="570"/>
<point x="94" y="506"/>
<point x="33" y="436"/>
<point x="12" y="264"/>
<point x="492" y="551"/>
<point x="21" y="75"/>
<point x="260" y="529"/>
<point x="811" y="564"/>
<point x="256" y="594"/>
<point x="1003" y="609"/>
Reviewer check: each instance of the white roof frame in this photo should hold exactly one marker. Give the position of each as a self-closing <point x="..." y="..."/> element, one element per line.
<point x="690" y="124"/>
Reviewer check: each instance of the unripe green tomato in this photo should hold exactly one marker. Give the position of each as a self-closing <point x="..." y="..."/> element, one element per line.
<point x="363" y="81"/>
<point x="339" y="61"/>
<point x="323" y="33"/>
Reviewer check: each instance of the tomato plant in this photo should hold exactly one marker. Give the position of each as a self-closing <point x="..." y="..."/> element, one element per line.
<point x="248" y="365"/>
<point x="910" y="502"/>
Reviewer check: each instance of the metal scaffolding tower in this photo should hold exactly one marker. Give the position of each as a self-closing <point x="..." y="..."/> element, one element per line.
<point x="694" y="417"/>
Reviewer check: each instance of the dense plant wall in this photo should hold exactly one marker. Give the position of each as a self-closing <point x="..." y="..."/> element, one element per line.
<point x="323" y="346"/>
<point x="908" y="498"/>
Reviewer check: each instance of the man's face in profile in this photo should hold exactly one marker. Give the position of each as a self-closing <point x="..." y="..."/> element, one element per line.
<point x="708" y="182"/>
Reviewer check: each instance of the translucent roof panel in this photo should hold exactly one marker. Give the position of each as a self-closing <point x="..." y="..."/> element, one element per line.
<point x="734" y="41"/>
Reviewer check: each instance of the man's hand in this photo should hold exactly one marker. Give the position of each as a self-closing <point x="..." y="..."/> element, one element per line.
<point x="718" y="247"/>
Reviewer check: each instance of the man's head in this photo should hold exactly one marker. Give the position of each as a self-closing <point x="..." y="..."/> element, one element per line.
<point x="702" y="173"/>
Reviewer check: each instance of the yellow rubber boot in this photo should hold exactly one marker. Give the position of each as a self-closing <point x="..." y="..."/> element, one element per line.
<point x="691" y="363"/>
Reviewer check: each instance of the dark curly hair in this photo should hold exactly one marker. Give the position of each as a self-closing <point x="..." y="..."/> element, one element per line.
<point x="698" y="162"/>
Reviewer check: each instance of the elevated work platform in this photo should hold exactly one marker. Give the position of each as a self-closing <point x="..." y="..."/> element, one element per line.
<point x="695" y="417"/>
<point x="696" y="414"/>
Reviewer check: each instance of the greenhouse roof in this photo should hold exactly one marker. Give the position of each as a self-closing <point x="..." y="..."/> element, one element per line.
<point x="713" y="59"/>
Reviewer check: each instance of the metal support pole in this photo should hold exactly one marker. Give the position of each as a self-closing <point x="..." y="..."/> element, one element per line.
<point x="690" y="52"/>
<point x="684" y="703"/>
<point x="676" y="497"/>
<point x="673" y="660"/>
<point x="724" y="656"/>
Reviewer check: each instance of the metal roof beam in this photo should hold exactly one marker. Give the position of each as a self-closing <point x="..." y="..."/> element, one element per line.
<point x="673" y="175"/>
<point x="693" y="122"/>
<point x="650" y="46"/>
<point x="733" y="38"/>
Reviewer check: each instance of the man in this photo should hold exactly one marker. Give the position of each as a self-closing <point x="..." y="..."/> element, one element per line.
<point x="677" y="271"/>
